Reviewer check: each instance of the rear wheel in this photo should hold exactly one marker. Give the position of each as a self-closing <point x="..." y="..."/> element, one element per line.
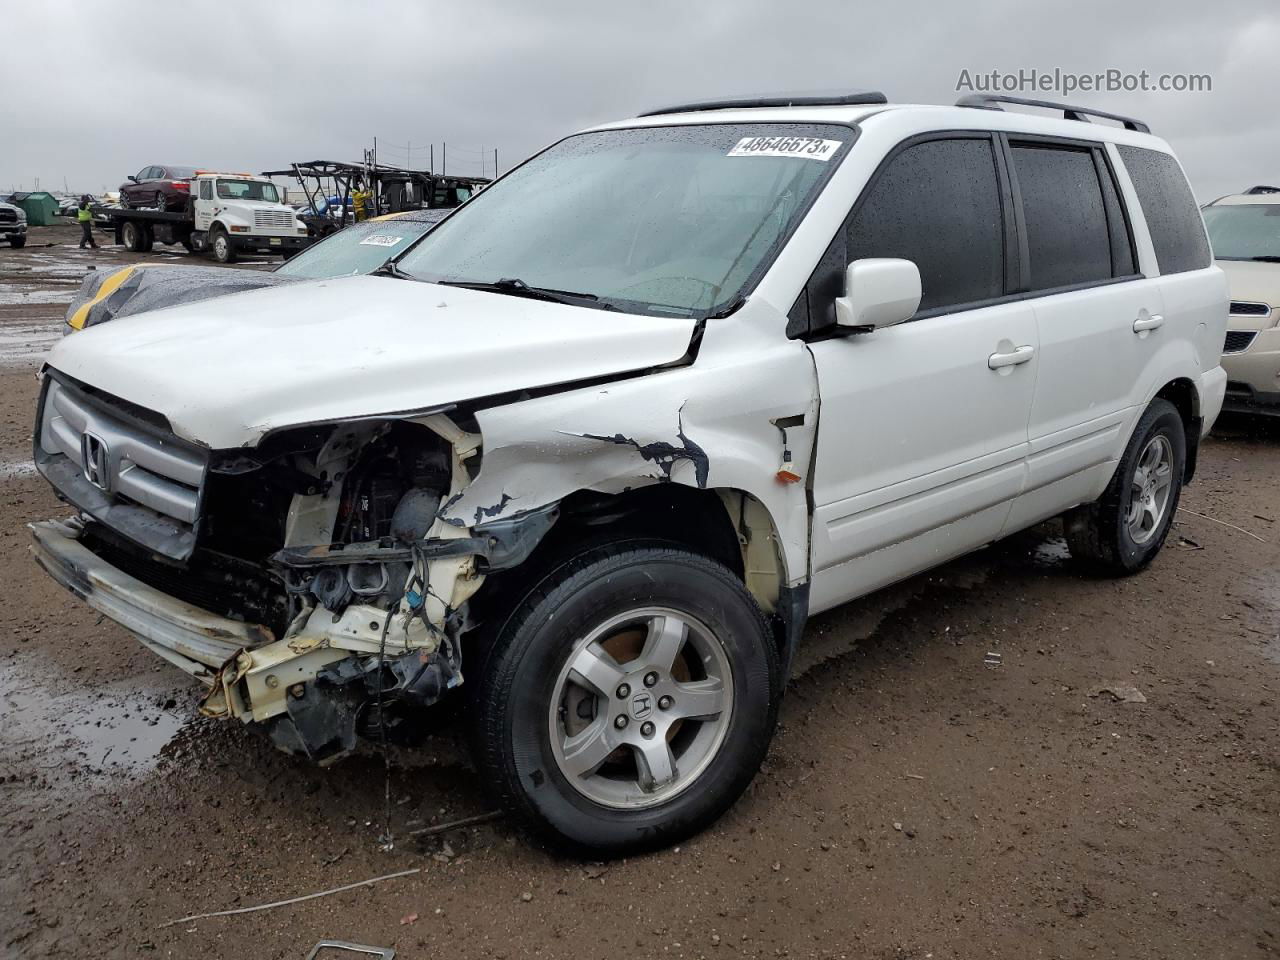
<point x="160" y="202"/>
<point x="220" y="244"/>
<point x="133" y="236"/>
<point x="1122" y="531"/>
<point x="629" y="699"/>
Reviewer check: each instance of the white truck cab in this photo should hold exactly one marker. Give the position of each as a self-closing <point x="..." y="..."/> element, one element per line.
<point x="594" y="447"/>
<point x="237" y="212"/>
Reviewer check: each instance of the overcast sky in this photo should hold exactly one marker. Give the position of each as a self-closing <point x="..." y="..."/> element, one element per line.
<point x="91" y="91"/>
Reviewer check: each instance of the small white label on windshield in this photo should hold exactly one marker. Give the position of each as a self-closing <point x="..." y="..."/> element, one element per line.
<point x="380" y="240"/>
<point x="811" y="148"/>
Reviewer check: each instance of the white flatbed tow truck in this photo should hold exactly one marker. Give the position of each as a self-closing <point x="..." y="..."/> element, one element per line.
<point x="228" y="214"/>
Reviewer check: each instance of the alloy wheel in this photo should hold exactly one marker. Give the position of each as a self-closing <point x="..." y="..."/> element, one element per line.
<point x="640" y="708"/>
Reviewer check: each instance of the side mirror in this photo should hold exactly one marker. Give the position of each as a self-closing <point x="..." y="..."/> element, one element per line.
<point x="133" y="178"/>
<point x="878" y="292"/>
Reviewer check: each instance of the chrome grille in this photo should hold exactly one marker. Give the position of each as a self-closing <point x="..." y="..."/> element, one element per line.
<point x="120" y="458"/>
<point x="8" y="216"/>
<point x="1247" y="308"/>
<point x="274" y="220"/>
<point x="1238" y="340"/>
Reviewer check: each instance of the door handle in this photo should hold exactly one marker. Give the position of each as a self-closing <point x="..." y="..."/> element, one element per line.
<point x="1013" y="358"/>
<point x="1148" y="323"/>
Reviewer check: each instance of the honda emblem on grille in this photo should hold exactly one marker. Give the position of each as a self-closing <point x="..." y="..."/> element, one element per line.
<point x="94" y="460"/>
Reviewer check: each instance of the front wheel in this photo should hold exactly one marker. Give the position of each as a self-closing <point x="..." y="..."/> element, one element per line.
<point x="17" y="242"/>
<point x="628" y="700"/>
<point x="1122" y="531"/>
<point x="220" y="243"/>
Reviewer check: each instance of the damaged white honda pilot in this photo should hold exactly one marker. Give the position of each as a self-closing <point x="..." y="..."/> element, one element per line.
<point x="599" y="443"/>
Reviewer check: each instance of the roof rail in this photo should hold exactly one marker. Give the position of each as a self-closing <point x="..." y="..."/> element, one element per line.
<point x="991" y="101"/>
<point x="850" y="98"/>
<point x="1261" y="188"/>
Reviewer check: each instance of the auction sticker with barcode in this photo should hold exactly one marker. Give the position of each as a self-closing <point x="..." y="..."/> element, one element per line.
<point x="380" y="240"/>
<point x="811" y="148"/>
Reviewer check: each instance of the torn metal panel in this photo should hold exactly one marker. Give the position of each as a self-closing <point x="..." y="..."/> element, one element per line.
<point x="703" y="426"/>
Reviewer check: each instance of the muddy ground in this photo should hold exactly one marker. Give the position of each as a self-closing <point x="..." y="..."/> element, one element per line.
<point x="917" y="802"/>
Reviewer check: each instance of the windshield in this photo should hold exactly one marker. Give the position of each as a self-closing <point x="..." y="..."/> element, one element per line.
<point x="662" y="220"/>
<point x="247" y="190"/>
<point x="361" y="248"/>
<point x="1244" y="231"/>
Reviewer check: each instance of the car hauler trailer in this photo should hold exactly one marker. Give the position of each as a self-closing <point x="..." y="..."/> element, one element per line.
<point x="228" y="214"/>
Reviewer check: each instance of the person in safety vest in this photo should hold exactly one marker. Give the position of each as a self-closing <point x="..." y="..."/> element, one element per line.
<point x="85" y="216"/>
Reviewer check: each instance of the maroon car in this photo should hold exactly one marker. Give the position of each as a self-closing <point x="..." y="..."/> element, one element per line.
<point x="161" y="187"/>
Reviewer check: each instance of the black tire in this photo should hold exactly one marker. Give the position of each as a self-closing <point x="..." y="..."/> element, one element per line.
<point x="187" y="244"/>
<point x="133" y="236"/>
<point x="1098" y="533"/>
<point x="223" y="252"/>
<point x="148" y="238"/>
<point x="519" y="678"/>
<point x="17" y="242"/>
<point x="161" y="205"/>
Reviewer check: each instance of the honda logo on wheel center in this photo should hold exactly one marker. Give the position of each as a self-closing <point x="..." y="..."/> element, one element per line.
<point x="641" y="706"/>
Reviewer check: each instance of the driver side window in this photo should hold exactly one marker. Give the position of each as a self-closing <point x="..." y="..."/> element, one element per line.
<point x="937" y="203"/>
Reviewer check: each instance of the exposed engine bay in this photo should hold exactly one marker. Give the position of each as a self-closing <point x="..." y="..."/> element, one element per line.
<point x="327" y="543"/>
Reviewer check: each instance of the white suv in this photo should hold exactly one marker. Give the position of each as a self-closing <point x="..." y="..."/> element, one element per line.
<point x="603" y="440"/>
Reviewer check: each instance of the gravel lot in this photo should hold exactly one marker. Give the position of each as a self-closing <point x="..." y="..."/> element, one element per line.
<point x="917" y="802"/>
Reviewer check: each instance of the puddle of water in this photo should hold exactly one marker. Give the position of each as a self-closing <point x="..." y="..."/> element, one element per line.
<point x="24" y="297"/>
<point x="1053" y="552"/>
<point x="90" y="733"/>
<point x="24" y="342"/>
<point x="16" y="469"/>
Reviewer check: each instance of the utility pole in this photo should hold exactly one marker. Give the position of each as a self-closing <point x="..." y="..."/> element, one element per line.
<point x="409" y="163"/>
<point x="495" y="163"/>
<point x="431" y="157"/>
<point x="444" y="159"/>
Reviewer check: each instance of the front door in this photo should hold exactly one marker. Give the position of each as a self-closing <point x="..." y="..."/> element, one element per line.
<point x="922" y="434"/>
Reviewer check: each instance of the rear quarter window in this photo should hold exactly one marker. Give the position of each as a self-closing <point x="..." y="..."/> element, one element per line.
<point x="1177" y="232"/>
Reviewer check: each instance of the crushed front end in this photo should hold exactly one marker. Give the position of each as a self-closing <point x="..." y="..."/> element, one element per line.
<point x="309" y="581"/>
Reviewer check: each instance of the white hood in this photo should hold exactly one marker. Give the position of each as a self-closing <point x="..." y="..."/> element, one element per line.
<point x="228" y="370"/>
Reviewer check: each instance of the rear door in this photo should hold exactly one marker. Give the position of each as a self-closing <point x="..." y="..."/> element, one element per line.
<point x="923" y="427"/>
<point x="1097" y="318"/>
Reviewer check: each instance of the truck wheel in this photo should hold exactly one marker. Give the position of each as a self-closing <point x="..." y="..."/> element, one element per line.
<point x="17" y="242"/>
<point x="187" y="244"/>
<point x="221" y="246"/>
<point x="148" y="238"/>
<point x="628" y="700"/>
<point x="133" y="237"/>
<point x="1122" y="531"/>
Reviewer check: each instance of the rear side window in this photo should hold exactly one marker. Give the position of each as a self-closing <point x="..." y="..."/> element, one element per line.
<point x="937" y="203"/>
<point x="1177" y="232"/>
<point x="1066" y="219"/>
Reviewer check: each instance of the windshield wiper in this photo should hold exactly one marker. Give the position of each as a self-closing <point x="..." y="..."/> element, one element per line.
<point x="1266" y="258"/>
<point x="389" y="269"/>
<point x="515" y="287"/>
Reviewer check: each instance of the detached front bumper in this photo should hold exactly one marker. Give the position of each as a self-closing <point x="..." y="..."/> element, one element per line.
<point x="192" y="639"/>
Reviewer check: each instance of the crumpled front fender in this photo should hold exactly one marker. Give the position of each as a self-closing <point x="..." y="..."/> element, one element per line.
<point x="725" y="426"/>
